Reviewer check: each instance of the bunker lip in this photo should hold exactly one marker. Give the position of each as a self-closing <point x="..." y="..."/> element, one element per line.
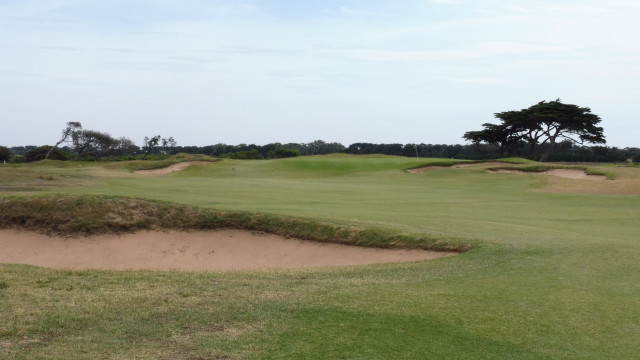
<point x="222" y="250"/>
<point x="171" y="168"/>
<point x="564" y="173"/>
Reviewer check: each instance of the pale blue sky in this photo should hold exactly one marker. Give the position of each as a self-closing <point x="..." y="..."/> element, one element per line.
<point x="415" y="71"/>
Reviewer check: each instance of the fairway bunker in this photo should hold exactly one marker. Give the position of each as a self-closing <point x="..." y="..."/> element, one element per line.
<point x="563" y="173"/>
<point x="455" y="166"/>
<point x="224" y="250"/>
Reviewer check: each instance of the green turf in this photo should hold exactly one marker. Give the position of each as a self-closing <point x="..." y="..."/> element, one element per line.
<point x="556" y="275"/>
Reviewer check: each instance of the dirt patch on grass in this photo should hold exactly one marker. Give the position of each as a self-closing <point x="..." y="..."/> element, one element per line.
<point x="563" y="173"/>
<point x="171" y="168"/>
<point x="224" y="250"/>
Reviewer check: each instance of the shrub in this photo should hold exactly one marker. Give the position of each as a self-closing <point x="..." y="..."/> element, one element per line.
<point x="40" y="152"/>
<point x="283" y="153"/>
<point x="16" y="159"/>
<point x="153" y="157"/>
<point x="118" y="158"/>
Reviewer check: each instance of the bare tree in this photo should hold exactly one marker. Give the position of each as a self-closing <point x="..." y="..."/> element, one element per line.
<point x="67" y="135"/>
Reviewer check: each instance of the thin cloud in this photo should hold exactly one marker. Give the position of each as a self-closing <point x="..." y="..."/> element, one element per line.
<point x="267" y="59"/>
<point x="473" y="51"/>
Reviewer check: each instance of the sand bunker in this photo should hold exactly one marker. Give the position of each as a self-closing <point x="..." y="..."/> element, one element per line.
<point x="482" y="164"/>
<point x="224" y="250"/>
<point x="564" y="173"/>
<point x="457" y="166"/>
<point x="171" y="168"/>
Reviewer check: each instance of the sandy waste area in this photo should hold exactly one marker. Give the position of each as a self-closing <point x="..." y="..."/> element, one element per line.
<point x="225" y="250"/>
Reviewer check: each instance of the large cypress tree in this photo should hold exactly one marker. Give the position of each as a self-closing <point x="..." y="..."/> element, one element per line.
<point x="541" y="126"/>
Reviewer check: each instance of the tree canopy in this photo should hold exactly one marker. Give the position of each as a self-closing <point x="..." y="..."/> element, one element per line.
<point x="90" y="143"/>
<point x="97" y="144"/>
<point x="281" y="153"/>
<point x="540" y="127"/>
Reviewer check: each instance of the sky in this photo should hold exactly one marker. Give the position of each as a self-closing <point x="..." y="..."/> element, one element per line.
<point x="264" y="71"/>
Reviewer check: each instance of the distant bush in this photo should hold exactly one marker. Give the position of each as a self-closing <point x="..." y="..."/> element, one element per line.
<point x="118" y="158"/>
<point x="153" y="157"/>
<point x="16" y="159"/>
<point x="5" y="154"/>
<point x="39" y="153"/>
<point x="245" y="155"/>
<point x="280" y="153"/>
<point x="88" y="157"/>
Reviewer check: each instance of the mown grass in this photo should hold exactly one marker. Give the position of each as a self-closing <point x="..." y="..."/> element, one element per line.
<point x="554" y="275"/>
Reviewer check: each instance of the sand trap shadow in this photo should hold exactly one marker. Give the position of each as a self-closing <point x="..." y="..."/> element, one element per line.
<point x="225" y="250"/>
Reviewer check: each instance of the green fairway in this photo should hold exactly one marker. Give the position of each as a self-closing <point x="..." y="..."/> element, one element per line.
<point x="553" y="273"/>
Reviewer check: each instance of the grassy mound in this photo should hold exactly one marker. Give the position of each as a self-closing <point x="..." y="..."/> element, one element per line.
<point x="86" y="215"/>
<point x="137" y="165"/>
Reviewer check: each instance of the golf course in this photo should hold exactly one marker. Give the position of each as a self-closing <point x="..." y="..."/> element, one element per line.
<point x="538" y="266"/>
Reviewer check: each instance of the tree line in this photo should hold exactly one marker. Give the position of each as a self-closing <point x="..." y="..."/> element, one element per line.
<point x="546" y="131"/>
<point x="565" y="151"/>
